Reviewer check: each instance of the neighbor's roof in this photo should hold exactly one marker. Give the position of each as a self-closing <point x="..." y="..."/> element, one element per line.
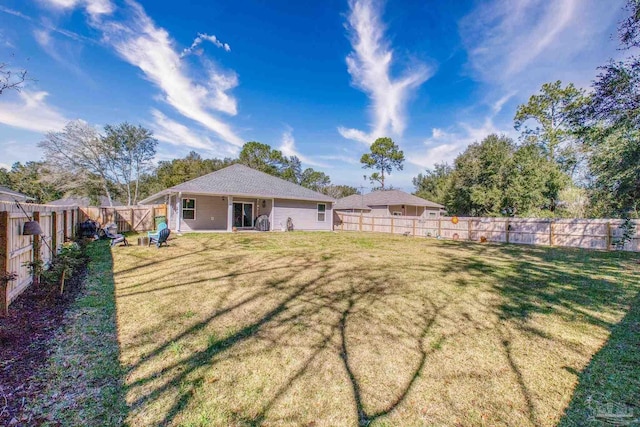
<point x="84" y="201"/>
<point x="10" y="192"/>
<point x="384" y="198"/>
<point x="240" y="180"/>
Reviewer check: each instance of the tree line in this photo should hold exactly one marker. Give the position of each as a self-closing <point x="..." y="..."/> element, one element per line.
<point x="118" y="163"/>
<point x="578" y="153"/>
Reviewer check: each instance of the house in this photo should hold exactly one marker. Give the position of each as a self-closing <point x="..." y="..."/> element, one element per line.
<point x="389" y="202"/>
<point x="233" y="197"/>
<point x="8" y="195"/>
<point x="103" y="202"/>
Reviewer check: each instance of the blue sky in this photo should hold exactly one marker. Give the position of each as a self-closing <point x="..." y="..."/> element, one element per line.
<point x="316" y="79"/>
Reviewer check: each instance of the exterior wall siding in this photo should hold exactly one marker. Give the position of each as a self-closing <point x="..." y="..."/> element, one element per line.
<point x="211" y="214"/>
<point x="304" y="215"/>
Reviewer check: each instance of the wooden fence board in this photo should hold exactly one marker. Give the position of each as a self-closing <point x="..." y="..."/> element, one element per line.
<point x="579" y="233"/>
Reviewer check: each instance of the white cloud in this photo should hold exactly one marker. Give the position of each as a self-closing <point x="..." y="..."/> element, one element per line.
<point x="31" y="112"/>
<point x="519" y="45"/>
<point x="198" y="40"/>
<point x="445" y="146"/>
<point x="95" y="8"/>
<point x="370" y="68"/>
<point x="140" y="42"/>
<point x="288" y="148"/>
<point x="167" y="130"/>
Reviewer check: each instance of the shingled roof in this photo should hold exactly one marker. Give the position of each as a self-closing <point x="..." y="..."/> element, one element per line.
<point x="14" y="194"/>
<point x="240" y="180"/>
<point x="383" y="198"/>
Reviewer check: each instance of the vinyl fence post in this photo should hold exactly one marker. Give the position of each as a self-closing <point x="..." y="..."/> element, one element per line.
<point x="4" y="262"/>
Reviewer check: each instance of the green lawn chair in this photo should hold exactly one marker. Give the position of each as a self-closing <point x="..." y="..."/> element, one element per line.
<point x="156" y="234"/>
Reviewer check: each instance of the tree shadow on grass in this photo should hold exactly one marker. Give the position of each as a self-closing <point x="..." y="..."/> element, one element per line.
<point x="571" y="284"/>
<point x="612" y="376"/>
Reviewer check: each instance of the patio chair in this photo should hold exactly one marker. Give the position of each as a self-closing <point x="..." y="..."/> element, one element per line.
<point x="155" y="234"/>
<point x="163" y="235"/>
<point x="115" y="237"/>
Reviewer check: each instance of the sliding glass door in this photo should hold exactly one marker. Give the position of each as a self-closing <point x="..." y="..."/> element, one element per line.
<point x="242" y="215"/>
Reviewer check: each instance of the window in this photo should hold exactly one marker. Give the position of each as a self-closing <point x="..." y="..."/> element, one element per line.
<point x="322" y="212"/>
<point x="432" y="214"/>
<point x="188" y="208"/>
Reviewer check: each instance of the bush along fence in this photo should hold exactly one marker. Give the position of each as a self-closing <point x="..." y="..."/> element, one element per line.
<point x="23" y="256"/>
<point x="604" y="234"/>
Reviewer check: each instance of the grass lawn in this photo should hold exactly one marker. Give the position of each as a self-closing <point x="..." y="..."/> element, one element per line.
<point x="329" y="329"/>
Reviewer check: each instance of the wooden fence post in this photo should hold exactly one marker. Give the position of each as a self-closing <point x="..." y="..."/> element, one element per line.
<point x="469" y="229"/>
<point x="414" y="227"/>
<point x="132" y="225"/>
<point x="360" y="220"/>
<point x="54" y="233"/>
<point x="506" y="229"/>
<point x="608" y="236"/>
<point x="36" y="248"/>
<point x="64" y="225"/>
<point x="391" y="225"/>
<point x="439" y="227"/>
<point x="4" y="262"/>
<point x="551" y="223"/>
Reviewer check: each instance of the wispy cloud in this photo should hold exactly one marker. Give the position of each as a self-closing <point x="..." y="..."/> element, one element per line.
<point x="288" y="148"/>
<point x="369" y="65"/>
<point x="139" y="41"/>
<point x="518" y="45"/>
<point x="143" y="44"/>
<point x="30" y="111"/>
<point x="444" y="146"/>
<point x="193" y="49"/>
<point x="95" y="8"/>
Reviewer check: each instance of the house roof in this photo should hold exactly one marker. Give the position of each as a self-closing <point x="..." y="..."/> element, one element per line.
<point x="383" y="198"/>
<point x="10" y="192"/>
<point x="240" y="180"/>
<point x="84" y="201"/>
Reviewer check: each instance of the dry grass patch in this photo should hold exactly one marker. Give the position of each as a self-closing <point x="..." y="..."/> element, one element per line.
<point x="370" y="329"/>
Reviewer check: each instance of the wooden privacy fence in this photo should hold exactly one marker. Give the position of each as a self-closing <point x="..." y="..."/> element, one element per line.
<point x="58" y="223"/>
<point x="579" y="233"/>
<point x="128" y="218"/>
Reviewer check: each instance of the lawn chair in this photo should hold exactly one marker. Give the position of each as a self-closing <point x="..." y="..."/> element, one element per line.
<point x="156" y="234"/>
<point x="116" y="238"/>
<point x="163" y="235"/>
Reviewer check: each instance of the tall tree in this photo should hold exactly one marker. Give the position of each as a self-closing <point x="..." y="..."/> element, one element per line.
<point x="78" y="154"/>
<point x="385" y="156"/>
<point x="314" y="180"/>
<point x="611" y="128"/>
<point x="133" y="148"/>
<point x="434" y="184"/>
<point x="261" y="157"/>
<point x="30" y="179"/>
<point x="552" y="110"/>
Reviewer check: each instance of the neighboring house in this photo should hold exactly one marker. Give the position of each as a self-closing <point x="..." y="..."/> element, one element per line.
<point x="84" y="201"/>
<point x="235" y="196"/>
<point x="389" y="202"/>
<point x="8" y="195"/>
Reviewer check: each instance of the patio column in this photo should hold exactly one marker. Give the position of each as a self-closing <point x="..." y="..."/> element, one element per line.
<point x="272" y="214"/>
<point x="178" y="211"/>
<point x="229" y="213"/>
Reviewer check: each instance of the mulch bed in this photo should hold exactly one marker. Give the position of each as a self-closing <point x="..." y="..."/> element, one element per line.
<point x="25" y="337"/>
